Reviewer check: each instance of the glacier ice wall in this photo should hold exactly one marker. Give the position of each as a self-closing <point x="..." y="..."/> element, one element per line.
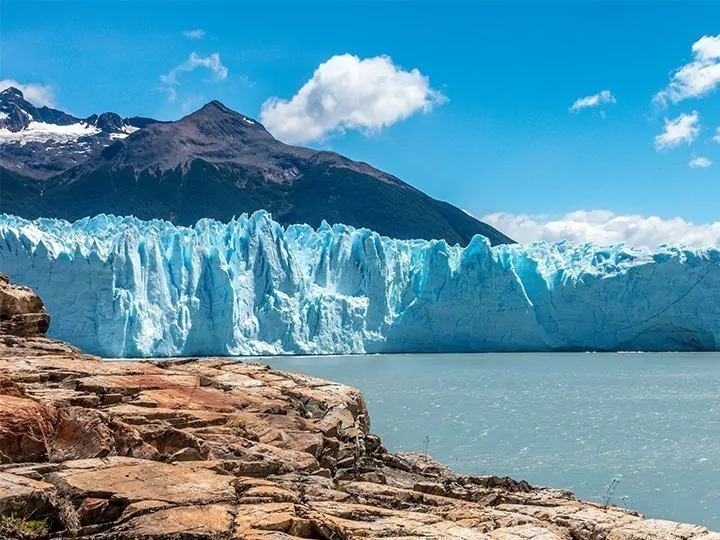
<point x="122" y="287"/>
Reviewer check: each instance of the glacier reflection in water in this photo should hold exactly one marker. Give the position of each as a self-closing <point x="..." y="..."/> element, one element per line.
<point x="574" y="420"/>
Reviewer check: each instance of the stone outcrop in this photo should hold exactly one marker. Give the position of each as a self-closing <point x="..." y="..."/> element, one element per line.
<point x="21" y="311"/>
<point x="214" y="449"/>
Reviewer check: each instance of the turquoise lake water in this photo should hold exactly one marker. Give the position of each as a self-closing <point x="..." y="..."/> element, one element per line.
<point x="564" y="420"/>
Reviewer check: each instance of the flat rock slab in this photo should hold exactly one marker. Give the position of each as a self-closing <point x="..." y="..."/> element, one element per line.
<point x="25" y="497"/>
<point x="186" y="522"/>
<point x="147" y="480"/>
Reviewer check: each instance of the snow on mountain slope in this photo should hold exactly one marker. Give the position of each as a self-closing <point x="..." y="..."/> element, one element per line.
<point x="125" y="287"/>
<point x="39" y="142"/>
<point x="44" y="132"/>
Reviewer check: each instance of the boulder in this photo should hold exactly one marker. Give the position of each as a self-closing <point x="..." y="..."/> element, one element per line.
<point x="22" y="313"/>
<point x="24" y="497"/>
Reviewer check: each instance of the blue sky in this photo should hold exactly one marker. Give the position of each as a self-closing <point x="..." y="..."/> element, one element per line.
<point x="495" y="136"/>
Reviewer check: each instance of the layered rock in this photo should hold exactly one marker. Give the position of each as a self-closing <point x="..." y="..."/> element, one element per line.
<point x="22" y="313"/>
<point x="213" y="449"/>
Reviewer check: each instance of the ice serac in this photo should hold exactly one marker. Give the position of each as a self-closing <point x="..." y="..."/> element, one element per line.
<point x="122" y="287"/>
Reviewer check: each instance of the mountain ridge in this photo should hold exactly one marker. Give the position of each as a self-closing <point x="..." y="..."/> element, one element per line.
<point x="219" y="163"/>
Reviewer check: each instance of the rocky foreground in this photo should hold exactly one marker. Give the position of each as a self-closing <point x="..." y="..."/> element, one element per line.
<point x="211" y="449"/>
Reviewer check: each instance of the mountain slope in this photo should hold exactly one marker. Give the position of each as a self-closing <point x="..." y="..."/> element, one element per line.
<point x="40" y="142"/>
<point x="218" y="163"/>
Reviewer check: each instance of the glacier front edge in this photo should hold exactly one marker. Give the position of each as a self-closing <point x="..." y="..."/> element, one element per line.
<point x="122" y="287"/>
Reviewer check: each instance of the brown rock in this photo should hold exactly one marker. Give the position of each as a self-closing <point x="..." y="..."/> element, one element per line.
<point x="18" y="300"/>
<point x="8" y="387"/>
<point x="134" y="481"/>
<point x="24" y="497"/>
<point x="179" y="523"/>
<point x="80" y="433"/>
<point x="185" y="454"/>
<point x="25" y="427"/>
<point x="22" y="312"/>
<point x="93" y="510"/>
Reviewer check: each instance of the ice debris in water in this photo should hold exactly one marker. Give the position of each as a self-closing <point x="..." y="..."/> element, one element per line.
<point x="122" y="287"/>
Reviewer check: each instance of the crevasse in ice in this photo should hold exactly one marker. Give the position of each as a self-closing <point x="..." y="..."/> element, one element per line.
<point x="122" y="287"/>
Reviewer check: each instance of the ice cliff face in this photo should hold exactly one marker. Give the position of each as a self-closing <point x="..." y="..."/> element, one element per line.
<point x="122" y="287"/>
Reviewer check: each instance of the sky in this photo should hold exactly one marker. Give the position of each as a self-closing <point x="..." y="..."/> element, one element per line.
<point x="584" y="121"/>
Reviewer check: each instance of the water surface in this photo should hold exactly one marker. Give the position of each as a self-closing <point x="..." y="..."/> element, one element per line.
<point x="561" y="419"/>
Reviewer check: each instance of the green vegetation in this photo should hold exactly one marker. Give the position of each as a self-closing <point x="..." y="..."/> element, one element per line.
<point x="23" y="528"/>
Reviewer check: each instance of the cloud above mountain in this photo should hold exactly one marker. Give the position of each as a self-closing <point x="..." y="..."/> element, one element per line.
<point x="700" y="162"/>
<point x="349" y="93"/>
<point x="604" y="227"/>
<point x="697" y="78"/>
<point x="211" y="62"/>
<point x="683" y="129"/>
<point x="194" y="34"/>
<point x="37" y="94"/>
<point x="593" y="101"/>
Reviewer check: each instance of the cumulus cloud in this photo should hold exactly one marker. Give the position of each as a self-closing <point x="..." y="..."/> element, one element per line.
<point x="37" y="94"/>
<point x="605" y="227"/>
<point x="194" y="34"/>
<point x="590" y="102"/>
<point x="697" y="78"/>
<point x="194" y="61"/>
<point x="349" y="93"/>
<point x="700" y="162"/>
<point x="683" y="129"/>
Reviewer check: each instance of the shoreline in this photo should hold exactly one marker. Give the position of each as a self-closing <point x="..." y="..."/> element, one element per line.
<point x="211" y="449"/>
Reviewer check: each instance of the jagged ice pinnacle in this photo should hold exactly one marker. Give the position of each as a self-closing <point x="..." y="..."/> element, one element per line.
<point x="122" y="287"/>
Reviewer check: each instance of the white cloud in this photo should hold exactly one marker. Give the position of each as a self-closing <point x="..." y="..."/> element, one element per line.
<point x="171" y="92"/>
<point x="349" y="93"/>
<point x="194" y="34"/>
<point x="37" y="94"/>
<point x="683" y="129"/>
<point x="697" y="78"/>
<point x="595" y="100"/>
<point x="193" y="62"/>
<point x="605" y="227"/>
<point x="700" y="162"/>
<point x="716" y="137"/>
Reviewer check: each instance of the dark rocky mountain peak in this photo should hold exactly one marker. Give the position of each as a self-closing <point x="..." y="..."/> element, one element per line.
<point x="214" y="105"/>
<point x="12" y="92"/>
<point x="107" y="121"/>
<point x="219" y="163"/>
<point x="16" y="112"/>
<point x="215" y="119"/>
<point x="44" y="141"/>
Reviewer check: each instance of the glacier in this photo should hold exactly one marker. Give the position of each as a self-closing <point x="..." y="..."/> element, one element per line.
<point x="122" y="287"/>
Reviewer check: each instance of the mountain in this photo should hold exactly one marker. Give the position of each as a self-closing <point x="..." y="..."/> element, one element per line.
<point x="213" y="163"/>
<point x="40" y="142"/>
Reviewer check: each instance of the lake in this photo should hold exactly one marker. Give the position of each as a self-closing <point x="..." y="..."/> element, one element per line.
<point x="572" y="420"/>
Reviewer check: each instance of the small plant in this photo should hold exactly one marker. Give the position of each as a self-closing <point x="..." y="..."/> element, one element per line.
<point x="23" y="528"/>
<point x="610" y="492"/>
